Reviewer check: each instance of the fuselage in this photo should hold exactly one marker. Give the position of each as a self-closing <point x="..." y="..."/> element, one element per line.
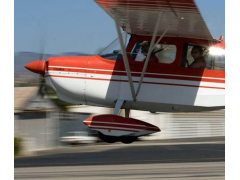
<point x="97" y="81"/>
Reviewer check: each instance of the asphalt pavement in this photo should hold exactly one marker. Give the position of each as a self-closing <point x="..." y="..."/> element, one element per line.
<point x="202" y="158"/>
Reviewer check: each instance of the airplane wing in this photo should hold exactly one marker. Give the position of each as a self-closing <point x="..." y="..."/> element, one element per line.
<point x="139" y="17"/>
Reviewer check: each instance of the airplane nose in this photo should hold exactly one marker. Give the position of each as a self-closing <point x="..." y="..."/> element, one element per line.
<point x="38" y="66"/>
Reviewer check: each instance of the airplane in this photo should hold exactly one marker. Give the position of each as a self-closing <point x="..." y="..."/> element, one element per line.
<point x="151" y="71"/>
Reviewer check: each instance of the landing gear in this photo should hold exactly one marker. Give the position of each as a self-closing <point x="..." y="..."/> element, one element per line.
<point x="113" y="128"/>
<point x="108" y="139"/>
<point x="128" y="139"/>
<point x="113" y="139"/>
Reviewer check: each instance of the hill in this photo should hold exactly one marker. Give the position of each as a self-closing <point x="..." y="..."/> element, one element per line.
<point x="22" y="75"/>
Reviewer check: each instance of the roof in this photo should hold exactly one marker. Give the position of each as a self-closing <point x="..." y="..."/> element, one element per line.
<point x="140" y="16"/>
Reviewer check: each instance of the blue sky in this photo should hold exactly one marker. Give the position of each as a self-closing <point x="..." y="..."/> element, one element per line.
<point x="58" y="26"/>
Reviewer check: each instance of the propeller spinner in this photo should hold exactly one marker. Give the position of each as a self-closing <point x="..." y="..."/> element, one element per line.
<point x="38" y="66"/>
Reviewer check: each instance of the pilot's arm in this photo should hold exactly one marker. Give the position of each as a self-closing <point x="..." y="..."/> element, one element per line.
<point x="200" y="63"/>
<point x="140" y="56"/>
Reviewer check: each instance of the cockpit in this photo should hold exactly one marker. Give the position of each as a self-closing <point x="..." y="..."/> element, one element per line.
<point x="166" y="52"/>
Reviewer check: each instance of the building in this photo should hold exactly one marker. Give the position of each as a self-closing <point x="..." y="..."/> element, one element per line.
<point x="40" y="122"/>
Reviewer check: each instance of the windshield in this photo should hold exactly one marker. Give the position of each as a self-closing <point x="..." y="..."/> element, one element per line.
<point x="113" y="50"/>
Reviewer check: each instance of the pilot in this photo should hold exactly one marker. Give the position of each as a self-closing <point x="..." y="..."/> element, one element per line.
<point x="199" y="61"/>
<point x="142" y="54"/>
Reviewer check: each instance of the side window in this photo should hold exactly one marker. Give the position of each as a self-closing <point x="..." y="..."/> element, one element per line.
<point x="193" y="56"/>
<point x="162" y="52"/>
<point x="136" y="50"/>
<point x="215" y="58"/>
<point x="166" y="53"/>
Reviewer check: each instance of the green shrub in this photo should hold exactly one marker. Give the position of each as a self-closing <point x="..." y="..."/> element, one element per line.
<point x="17" y="146"/>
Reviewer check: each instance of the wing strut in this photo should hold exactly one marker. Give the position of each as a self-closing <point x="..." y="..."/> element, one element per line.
<point x="118" y="106"/>
<point x="160" y="38"/>
<point x="125" y="59"/>
<point x="152" y="46"/>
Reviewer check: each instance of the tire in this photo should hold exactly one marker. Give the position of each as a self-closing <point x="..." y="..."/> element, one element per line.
<point x="128" y="139"/>
<point x="108" y="139"/>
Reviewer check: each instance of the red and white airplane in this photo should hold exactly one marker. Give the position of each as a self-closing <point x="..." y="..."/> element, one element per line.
<point x="150" y="71"/>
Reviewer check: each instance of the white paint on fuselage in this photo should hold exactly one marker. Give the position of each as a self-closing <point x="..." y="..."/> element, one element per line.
<point x="156" y="94"/>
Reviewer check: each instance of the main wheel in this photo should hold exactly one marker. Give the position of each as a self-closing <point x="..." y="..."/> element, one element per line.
<point x="128" y="139"/>
<point x="108" y="139"/>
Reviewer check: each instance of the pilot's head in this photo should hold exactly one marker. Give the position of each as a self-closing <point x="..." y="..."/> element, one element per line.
<point x="197" y="52"/>
<point x="144" y="46"/>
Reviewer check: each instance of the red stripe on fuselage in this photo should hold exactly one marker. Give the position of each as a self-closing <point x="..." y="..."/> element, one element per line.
<point x="101" y="79"/>
<point x="138" y="74"/>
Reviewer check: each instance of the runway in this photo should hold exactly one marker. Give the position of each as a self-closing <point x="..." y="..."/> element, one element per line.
<point x="140" y="160"/>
